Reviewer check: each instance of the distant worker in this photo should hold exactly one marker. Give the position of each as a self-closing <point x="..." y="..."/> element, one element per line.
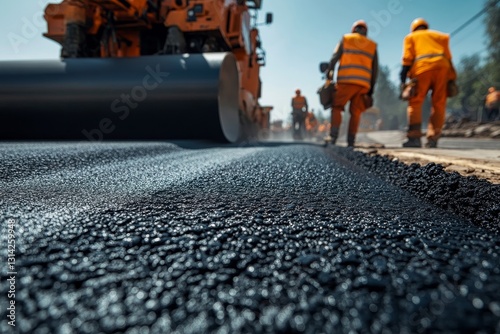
<point x="426" y="59"/>
<point x="311" y="124"/>
<point x="356" y="78"/>
<point x="299" y="110"/>
<point x="492" y="104"/>
<point x="323" y="129"/>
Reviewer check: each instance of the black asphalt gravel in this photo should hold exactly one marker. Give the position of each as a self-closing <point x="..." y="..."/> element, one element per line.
<point x="278" y="238"/>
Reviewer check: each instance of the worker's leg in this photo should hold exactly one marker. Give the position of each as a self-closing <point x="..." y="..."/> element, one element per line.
<point x="356" y="108"/>
<point x="344" y="93"/>
<point x="295" y="127"/>
<point x="491" y="114"/>
<point x="438" y="110"/>
<point x="495" y="114"/>
<point x="414" y="110"/>
<point x="296" y="123"/>
<point x="302" y="127"/>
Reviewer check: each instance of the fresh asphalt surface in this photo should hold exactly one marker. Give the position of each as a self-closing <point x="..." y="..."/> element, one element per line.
<point x="192" y="238"/>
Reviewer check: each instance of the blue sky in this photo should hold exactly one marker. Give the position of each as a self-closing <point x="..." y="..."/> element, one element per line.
<point x="302" y="35"/>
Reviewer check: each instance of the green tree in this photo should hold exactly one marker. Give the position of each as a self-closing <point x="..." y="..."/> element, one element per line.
<point x="468" y="102"/>
<point x="475" y="75"/>
<point x="492" y="21"/>
<point x="386" y="99"/>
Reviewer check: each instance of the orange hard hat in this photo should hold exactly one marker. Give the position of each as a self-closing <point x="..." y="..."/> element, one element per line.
<point x="417" y="23"/>
<point x="359" y="23"/>
<point x="297" y="91"/>
<point x="491" y="89"/>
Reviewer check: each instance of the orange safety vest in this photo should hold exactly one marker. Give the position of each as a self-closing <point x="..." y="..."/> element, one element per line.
<point x="426" y="50"/>
<point x="493" y="99"/>
<point x="298" y="102"/>
<point x="356" y="61"/>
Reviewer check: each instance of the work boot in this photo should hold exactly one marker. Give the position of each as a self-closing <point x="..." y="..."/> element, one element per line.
<point x="328" y="139"/>
<point x="334" y="133"/>
<point x="412" y="142"/>
<point x="431" y="143"/>
<point x="350" y="140"/>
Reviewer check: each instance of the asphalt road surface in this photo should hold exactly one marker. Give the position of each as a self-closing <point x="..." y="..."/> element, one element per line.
<point x="188" y="238"/>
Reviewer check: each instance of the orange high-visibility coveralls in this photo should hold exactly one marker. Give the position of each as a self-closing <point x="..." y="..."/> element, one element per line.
<point x="311" y="122"/>
<point x="493" y="98"/>
<point x="356" y="77"/>
<point x="492" y="103"/>
<point x="299" y="102"/>
<point x="428" y="54"/>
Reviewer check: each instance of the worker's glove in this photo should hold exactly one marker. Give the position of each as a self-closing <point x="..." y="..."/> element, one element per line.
<point x="402" y="87"/>
<point x="329" y="75"/>
<point x="408" y="90"/>
<point x="452" y="88"/>
<point x="368" y="100"/>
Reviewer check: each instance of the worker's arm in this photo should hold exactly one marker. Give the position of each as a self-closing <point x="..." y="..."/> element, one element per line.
<point x="374" y="73"/>
<point x="408" y="58"/>
<point x="404" y="73"/>
<point x="305" y="102"/>
<point x="337" y="53"/>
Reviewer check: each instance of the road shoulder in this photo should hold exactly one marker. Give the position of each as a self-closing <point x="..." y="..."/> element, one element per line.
<point x="484" y="164"/>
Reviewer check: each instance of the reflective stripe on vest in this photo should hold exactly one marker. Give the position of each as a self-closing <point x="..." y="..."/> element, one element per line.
<point x="430" y="55"/>
<point x="359" y="67"/>
<point x="359" y="52"/>
<point x="354" y="79"/>
<point x="356" y="61"/>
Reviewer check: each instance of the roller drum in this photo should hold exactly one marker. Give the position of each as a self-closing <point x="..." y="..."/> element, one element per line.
<point x="150" y="97"/>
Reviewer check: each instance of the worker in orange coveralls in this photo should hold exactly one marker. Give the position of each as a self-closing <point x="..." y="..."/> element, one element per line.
<point x="356" y="78"/>
<point x="427" y="59"/>
<point x="299" y="111"/>
<point x="311" y="124"/>
<point x="492" y="104"/>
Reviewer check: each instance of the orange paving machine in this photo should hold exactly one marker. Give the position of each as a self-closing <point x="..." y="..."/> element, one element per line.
<point x="140" y="69"/>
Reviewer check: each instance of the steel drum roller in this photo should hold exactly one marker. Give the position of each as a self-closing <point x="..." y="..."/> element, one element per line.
<point x="149" y="97"/>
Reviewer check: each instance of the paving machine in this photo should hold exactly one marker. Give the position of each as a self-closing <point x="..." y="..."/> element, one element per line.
<point x="140" y="69"/>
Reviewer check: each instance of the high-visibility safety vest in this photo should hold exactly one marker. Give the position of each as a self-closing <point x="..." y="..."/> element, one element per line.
<point x="356" y="61"/>
<point x="298" y="102"/>
<point x="493" y="99"/>
<point x="426" y="50"/>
